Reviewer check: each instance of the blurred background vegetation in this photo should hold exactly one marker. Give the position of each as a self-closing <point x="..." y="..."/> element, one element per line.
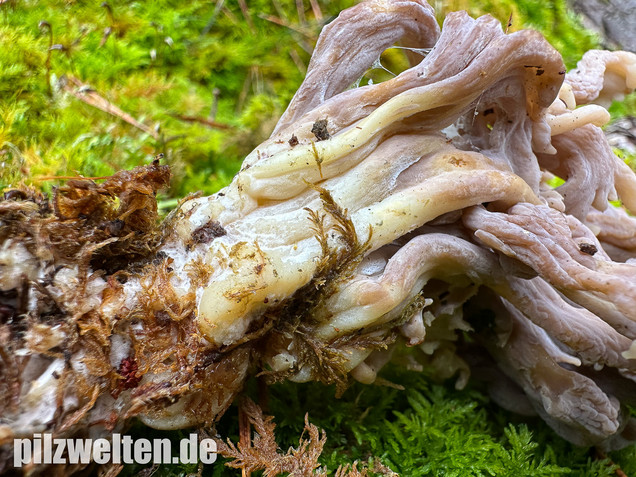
<point x="89" y="89"/>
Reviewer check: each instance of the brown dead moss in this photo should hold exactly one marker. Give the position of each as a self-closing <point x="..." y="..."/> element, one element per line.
<point x="102" y="229"/>
<point x="295" y="318"/>
<point x="113" y="224"/>
<point x="110" y="230"/>
<point x="261" y="453"/>
<point x="105" y="230"/>
<point x="336" y="264"/>
<point x="168" y="346"/>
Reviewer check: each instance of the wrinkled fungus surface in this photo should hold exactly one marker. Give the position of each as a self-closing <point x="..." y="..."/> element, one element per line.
<point x="390" y="215"/>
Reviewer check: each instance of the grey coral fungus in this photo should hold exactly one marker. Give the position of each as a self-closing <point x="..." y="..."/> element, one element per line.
<point x="372" y="218"/>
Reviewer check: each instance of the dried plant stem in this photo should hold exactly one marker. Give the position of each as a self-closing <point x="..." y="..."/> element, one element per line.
<point x="244" y="434"/>
<point x="85" y="94"/>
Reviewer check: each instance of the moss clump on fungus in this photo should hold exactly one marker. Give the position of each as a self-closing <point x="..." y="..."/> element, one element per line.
<point x="86" y="241"/>
<point x="293" y="320"/>
<point x="109" y="225"/>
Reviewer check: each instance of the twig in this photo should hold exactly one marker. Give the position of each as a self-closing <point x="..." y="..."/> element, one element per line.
<point x="316" y="9"/>
<point x="246" y="14"/>
<point x="212" y="21"/>
<point x="301" y="12"/>
<point x="601" y="455"/>
<point x="195" y="119"/>
<point x="109" y="12"/>
<point x="247" y="84"/>
<point x="305" y="32"/>
<point x="230" y="15"/>
<point x="509" y="23"/>
<point x="216" y="92"/>
<point x="87" y="95"/>
<point x="279" y="9"/>
<point x="278" y="21"/>
<point x="47" y="64"/>
<point x="298" y="61"/>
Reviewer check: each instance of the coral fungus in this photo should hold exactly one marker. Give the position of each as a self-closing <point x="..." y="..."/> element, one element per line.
<point x="388" y="215"/>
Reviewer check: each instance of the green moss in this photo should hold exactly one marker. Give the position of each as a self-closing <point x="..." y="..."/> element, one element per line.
<point x="161" y="60"/>
<point x="561" y="27"/>
<point x="430" y="429"/>
<point x="157" y="61"/>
